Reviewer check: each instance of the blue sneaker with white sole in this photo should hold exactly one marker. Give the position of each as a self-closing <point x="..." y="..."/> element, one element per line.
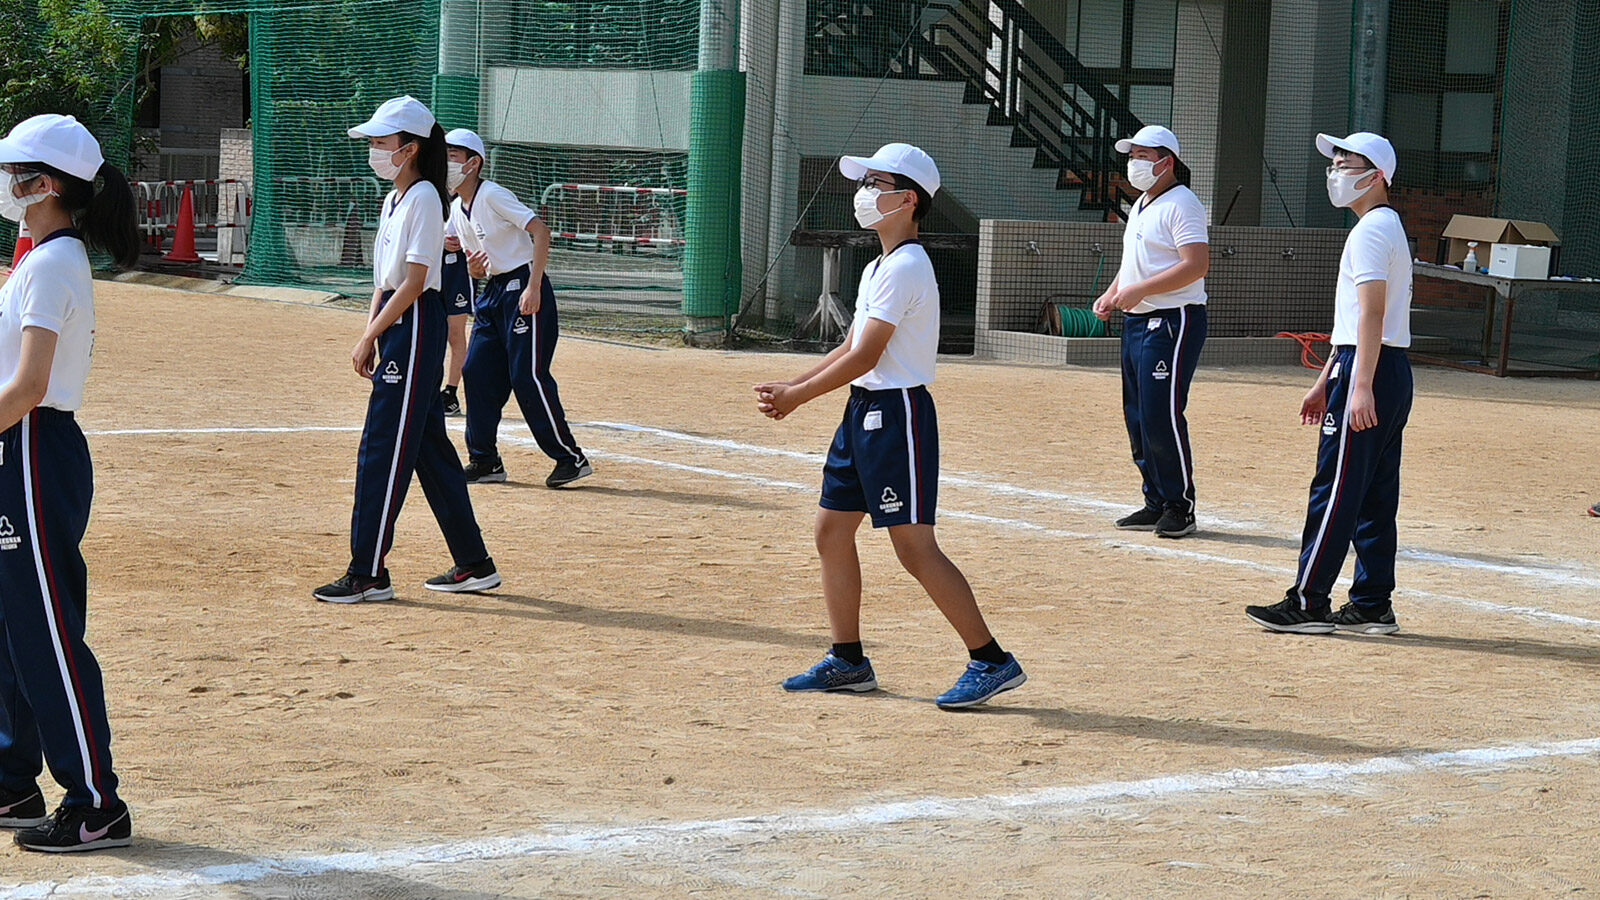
<point x="834" y="674"/>
<point x="981" y="681"/>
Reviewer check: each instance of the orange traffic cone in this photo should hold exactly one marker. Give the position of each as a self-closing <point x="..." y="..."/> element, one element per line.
<point x="24" y="244"/>
<point x="183" y="241"/>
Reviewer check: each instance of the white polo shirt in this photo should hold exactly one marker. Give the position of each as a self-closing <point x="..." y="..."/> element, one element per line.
<point x="900" y="289"/>
<point x="496" y="224"/>
<point x="411" y="230"/>
<point x="1150" y="245"/>
<point x="53" y="289"/>
<point x="1376" y="250"/>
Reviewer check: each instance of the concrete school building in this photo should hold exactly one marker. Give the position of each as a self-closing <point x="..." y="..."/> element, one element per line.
<point x="1488" y="101"/>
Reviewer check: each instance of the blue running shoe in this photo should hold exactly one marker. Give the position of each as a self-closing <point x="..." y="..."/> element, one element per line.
<point x="834" y="674"/>
<point x="981" y="681"/>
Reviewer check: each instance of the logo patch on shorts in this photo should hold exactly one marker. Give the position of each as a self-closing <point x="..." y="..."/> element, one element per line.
<point x="891" y="501"/>
<point x="8" y="535"/>
<point x="1161" y="373"/>
<point x="451" y="257"/>
<point x="520" y="326"/>
<point x="515" y="285"/>
<point x="873" y="420"/>
<point x="391" y="373"/>
<point x="1329" y="426"/>
<point x="1153" y="325"/>
<point x="1333" y="373"/>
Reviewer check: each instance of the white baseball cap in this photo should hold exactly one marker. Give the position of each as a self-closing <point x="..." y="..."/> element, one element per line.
<point x="60" y="142"/>
<point x="394" y="116"/>
<point x="1151" y="136"/>
<point x="1374" y="147"/>
<point x="466" y="140"/>
<point x="901" y="159"/>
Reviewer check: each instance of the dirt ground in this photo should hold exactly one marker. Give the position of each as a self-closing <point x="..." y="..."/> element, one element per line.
<point x="609" y="724"/>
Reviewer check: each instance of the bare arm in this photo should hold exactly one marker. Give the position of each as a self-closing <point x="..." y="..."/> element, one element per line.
<point x="532" y="294"/>
<point x="776" y="399"/>
<point x="1194" y="263"/>
<point x="365" y="354"/>
<point x="27" y="388"/>
<point x="1374" y="298"/>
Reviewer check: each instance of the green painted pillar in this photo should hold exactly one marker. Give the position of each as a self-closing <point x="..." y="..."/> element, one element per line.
<point x="713" y="263"/>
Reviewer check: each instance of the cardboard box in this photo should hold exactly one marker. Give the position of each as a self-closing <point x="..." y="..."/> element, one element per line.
<point x="1488" y="232"/>
<point x="1519" y="261"/>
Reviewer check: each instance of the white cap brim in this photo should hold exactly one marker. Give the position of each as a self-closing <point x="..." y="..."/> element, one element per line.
<point x="1327" y="145"/>
<point x="856" y="167"/>
<point x="372" y="130"/>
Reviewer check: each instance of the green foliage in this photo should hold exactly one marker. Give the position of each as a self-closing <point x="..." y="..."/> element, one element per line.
<point x="64" y="56"/>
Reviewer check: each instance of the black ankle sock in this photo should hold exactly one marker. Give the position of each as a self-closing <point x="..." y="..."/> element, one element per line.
<point x="850" y="653"/>
<point x="449" y="389"/>
<point x="989" y="653"/>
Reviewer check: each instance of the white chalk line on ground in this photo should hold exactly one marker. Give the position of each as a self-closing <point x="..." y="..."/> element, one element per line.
<point x="1551" y="575"/>
<point x="1147" y="549"/>
<point x="686" y="841"/>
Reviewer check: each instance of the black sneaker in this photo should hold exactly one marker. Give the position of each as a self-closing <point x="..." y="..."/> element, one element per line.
<point x="355" y="589"/>
<point x="452" y="403"/>
<point x="75" y="829"/>
<point x="566" y="472"/>
<point x="480" y="471"/>
<point x="1287" y="616"/>
<point x="480" y="576"/>
<point x="1175" y="524"/>
<point x="1363" y="620"/>
<point x="1143" y="520"/>
<point x="22" y="809"/>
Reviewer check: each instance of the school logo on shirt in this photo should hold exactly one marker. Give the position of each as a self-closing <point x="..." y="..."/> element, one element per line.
<point x="520" y="326"/>
<point x="8" y="535"/>
<point x="1329" y="426"/>
<point x="391" y="373"/>
<point x="891" y="501"/>
<point x="1161" y="373"/>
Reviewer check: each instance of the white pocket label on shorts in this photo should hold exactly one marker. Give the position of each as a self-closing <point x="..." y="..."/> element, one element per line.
<point x="515" y="285"/>
<point x="1154" y="324"/>
<point x="1333" y="373"/>
<point x="873" y="421"/>
<point x="451" y="257"/>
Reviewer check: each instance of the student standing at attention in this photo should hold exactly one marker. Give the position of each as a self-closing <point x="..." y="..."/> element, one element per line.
<point x="52" y="697"/>
<point x="884" y="460"/>
<point x="1161" y="286"/>
<point x="515" y="327"/>
<point x="1361" y="401"/>
<point x="401" y="353"/>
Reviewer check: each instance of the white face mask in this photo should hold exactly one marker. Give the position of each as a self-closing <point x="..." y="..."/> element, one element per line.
<point x="1142" y="174"/>
<point x="867" y="206"/>
<point x="456" y="176"/>
<point x="12" y="206"/>
<point x="1342" y="190"/>
<point x="382" y="163"/>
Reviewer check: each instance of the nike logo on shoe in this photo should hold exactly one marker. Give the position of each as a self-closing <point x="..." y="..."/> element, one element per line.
<point x="6" y="809"/>
<point x="89" y="837"/>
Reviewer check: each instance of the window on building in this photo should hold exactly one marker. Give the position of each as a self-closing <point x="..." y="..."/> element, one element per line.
<point x="1446" y="65"/>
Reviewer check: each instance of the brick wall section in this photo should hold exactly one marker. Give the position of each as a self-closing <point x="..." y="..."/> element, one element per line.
<point x="202" y="92"/>
<point x="1426" y="213"/>
<point x="237" y="146"/>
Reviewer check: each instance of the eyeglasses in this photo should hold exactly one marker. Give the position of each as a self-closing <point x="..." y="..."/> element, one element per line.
<point x="879" y="182"/>
<point x="21" y="170"/>
<point x="1342" y="170"/>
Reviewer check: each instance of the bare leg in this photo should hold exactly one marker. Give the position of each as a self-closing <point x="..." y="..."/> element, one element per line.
<point x="458" y="349"/>
<point x="841" y="572"/>
<point x="919" y="552"/>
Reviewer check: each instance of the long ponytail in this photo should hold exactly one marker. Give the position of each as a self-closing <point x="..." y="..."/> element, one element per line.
<point x="108" y="218"/>
<point x="433" y="163"/>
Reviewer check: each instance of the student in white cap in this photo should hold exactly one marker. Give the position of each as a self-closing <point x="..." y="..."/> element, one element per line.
<point x="52" y="698"/>
<point x="515" y="322"/>
<point x="401" y="353"/>
<point x="1361" y="401"/>
<point x="1161" y="287"/>
<point x="458" y="289"/>
<point x="884" y="460"/>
